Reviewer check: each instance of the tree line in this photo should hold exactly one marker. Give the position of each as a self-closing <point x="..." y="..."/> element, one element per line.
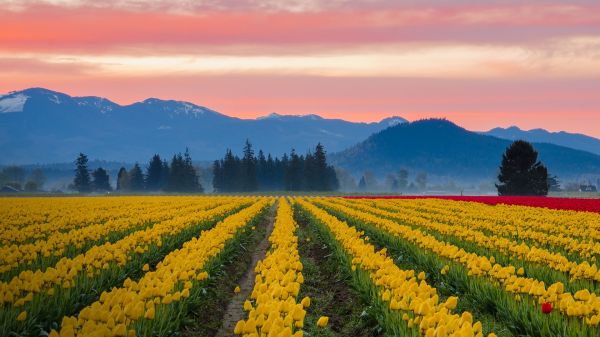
<point x="15" y="177"/>
<point x="178" y="176"/>
<point x="293" y="172"/>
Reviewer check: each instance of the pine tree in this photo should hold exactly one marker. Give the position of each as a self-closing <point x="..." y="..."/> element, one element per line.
<point x="262" y="172"/>
<point x="230" y="171"/>
<point x="323" y="173"/>
<point x="82" y="175"/>
<point x="164" y="174"/>
<point x="362" y="184"/>
<point x="248" y="172"/>
<point x="294" y="173"/>
<point x="136" y="178"/>
<point x="520" y="171"/>
<point x="101" y="180"/>
<point x="122" y="180"/>
<point x="217" y="176"/>
<point x="191" y="181"/>
<point x="403" y="179"/>
<point x="311" y="179"/>
<point x="154" y="174"/>
<point x="421" y="180"/>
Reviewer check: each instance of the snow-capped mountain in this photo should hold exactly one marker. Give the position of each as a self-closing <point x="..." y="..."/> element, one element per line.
<point x="43" y="126"/>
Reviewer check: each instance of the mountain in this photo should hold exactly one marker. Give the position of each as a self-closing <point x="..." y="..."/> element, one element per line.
<point x="43" y="126"/>
<point x="444" y="149"/>
<point x="572" y="140"/>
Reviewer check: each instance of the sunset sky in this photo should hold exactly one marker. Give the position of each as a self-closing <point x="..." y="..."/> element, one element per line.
<point x="479" y="63"/>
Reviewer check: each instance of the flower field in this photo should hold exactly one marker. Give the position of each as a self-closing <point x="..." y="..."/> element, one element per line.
<point x="331" y="266"/>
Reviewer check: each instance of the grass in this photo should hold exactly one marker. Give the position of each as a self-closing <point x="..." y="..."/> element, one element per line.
<point x="328" y="283"/>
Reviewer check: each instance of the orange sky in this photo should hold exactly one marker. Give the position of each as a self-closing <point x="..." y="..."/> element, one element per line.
<point x="481" y="65"/>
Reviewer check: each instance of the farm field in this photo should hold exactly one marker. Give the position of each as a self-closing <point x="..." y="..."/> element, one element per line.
<point x="298" y="266"/>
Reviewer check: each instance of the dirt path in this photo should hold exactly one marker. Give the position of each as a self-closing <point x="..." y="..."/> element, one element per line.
<point x="235" y="308"/>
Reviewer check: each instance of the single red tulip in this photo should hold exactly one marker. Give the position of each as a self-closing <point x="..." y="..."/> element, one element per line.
<point x="546" y="307"/>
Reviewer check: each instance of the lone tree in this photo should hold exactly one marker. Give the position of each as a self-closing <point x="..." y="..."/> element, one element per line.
<point x="82" y="181"/>
<point x="521" y="173"/>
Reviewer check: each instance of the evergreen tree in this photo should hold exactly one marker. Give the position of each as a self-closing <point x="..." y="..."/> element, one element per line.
<point x="154" y="174"/>
<point x="217" y="176"/>
<point x="136" y="178"/>
<point x="122" y="180"/>
<point x="101" y="180"/>
<point x="333" y="184"/>
<point x="553" y="184"/>
<point x="37" y="178"/>
<point x="362" y="184"/>
<point x="262" y="171"/>
<point x="520" y="171"/>
<point x="311" y="176"/>
<point x="421" y="180"/>
<point x="294" y="173"/>
<point x="82" y="181"/>
<point x="164" y="174"/>
<point x="248" y="172"/>
<point x="403" y="179"/>
<point x="182" y="175"/>
<point x="323" y="179"/>
<point x="230" y="169"/>
<point x="192" y="183"/>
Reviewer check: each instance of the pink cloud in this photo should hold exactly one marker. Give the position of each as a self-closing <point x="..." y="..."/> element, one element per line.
<point x="85" y="29"/>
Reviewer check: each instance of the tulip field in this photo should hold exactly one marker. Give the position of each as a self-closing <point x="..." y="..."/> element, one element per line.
<point x="298" y="266"/>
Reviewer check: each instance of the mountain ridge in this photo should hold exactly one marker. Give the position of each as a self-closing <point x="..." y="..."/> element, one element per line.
<point x="47" y="126"/>
<point x="573" y="140"/>
<point x="442" y="148"/>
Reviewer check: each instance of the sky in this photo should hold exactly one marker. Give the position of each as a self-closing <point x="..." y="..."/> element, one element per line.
<point x="481" y="64"/>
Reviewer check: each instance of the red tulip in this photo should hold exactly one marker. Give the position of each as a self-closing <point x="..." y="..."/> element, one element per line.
<point x="546" y="307"/>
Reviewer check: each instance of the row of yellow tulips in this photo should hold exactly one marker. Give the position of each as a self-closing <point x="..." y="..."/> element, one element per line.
<point x="273" y="309"/>
<point x="406" y="293"/>
<point x="39" y="218"/>
<point x="582" y="225"/>
<point x="20" y="289"/>
<point x="581" y="304"/>
<point x="584" y="248"/>
<point x="117" y="311"/>
<point x="56" y="244"/>
<point x="553" y="260"/>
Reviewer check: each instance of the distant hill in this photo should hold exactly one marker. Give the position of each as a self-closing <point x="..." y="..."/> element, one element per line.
<point x="43" y="126"/>
<point x="573" y="140"/>
<point x="442" y="148"/>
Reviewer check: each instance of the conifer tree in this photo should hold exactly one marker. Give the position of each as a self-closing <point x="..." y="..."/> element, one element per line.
<point x="122" y="180"/>
<point x="101" y="180"/>
<point x="136" y="179"/>
<point x="248" y="172"/>
<point x="154" y="174"/>
<point x="520" y="171"/>
<point x="82" y="181"/>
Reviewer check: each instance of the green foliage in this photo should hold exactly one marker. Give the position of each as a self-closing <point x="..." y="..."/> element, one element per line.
<point x="101" y="180"/>
<point x="82" y="181"/>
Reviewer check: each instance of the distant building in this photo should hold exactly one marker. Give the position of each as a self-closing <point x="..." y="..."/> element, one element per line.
<point x="587" y="188"/>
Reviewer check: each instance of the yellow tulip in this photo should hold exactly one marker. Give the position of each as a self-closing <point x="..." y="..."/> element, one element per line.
<point x="322" y="321"/>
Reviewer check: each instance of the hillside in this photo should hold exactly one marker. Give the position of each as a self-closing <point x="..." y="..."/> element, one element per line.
<point x="442" y="148"/>
<point x="573" y="140"/>
<point x="43" y="126"/>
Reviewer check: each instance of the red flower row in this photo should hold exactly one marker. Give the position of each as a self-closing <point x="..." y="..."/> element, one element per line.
<point x="575" y="204"/>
